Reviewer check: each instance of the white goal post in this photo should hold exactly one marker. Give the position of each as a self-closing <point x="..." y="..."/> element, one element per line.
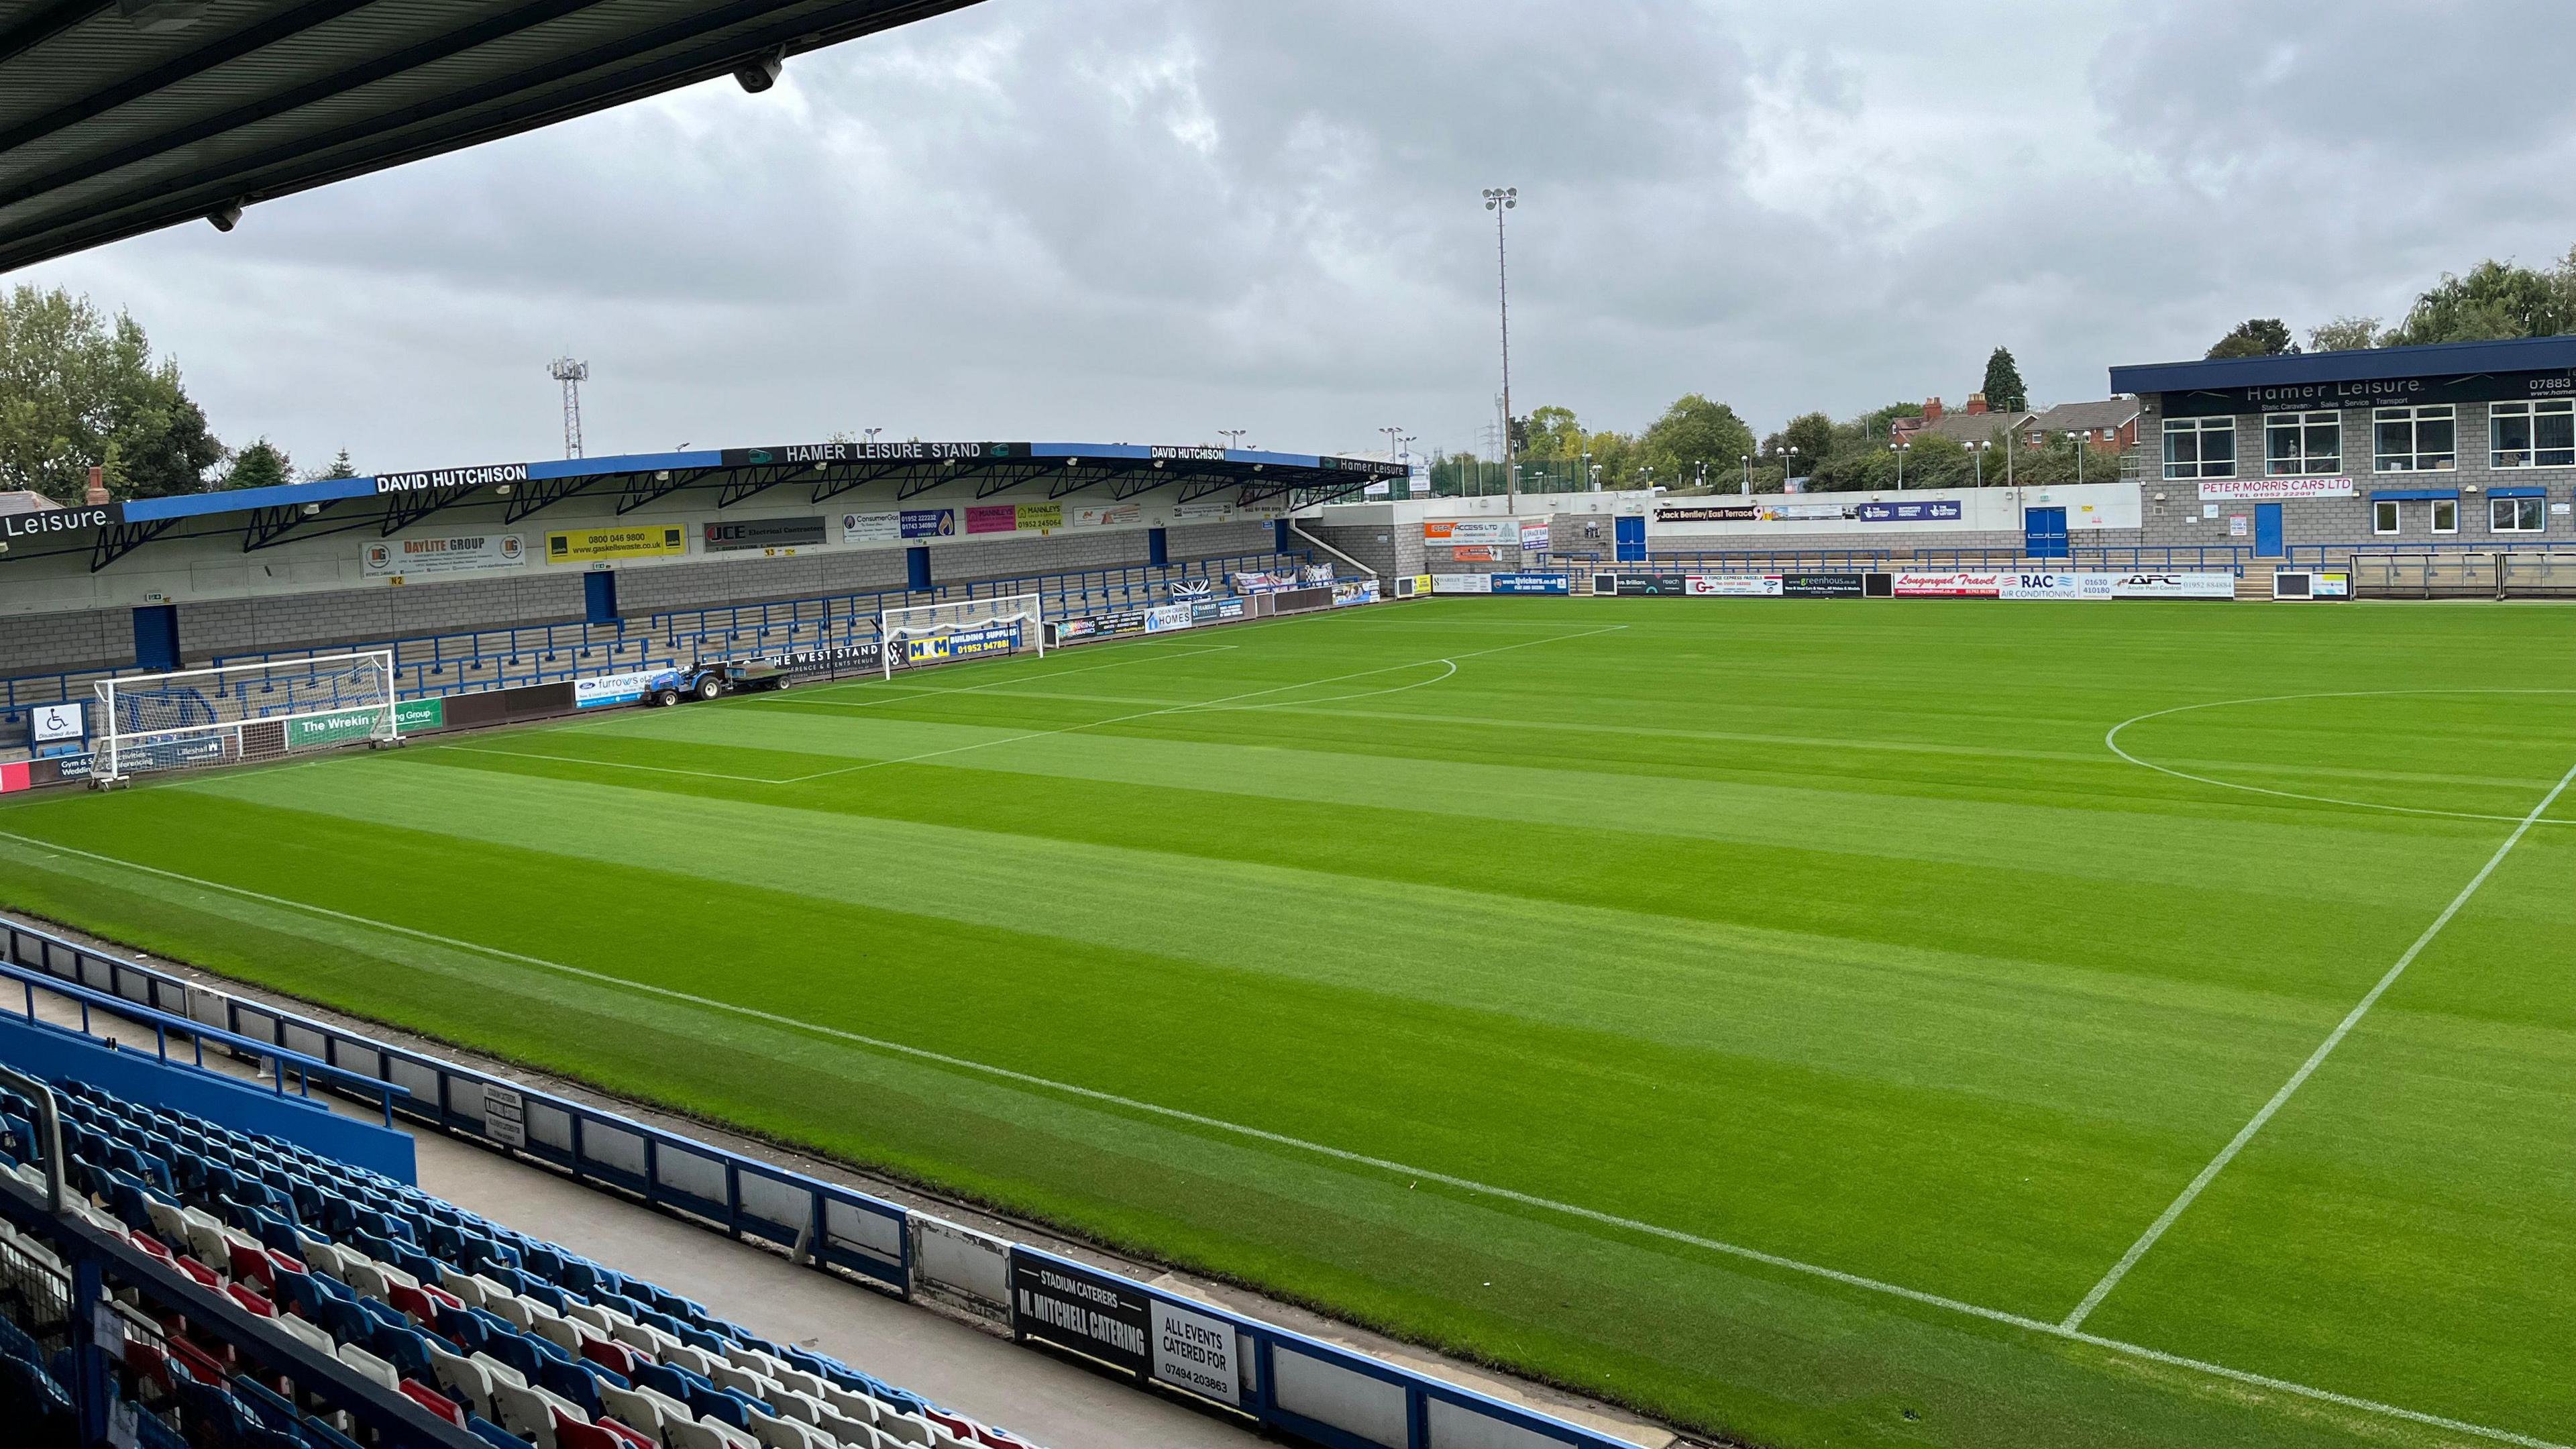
<point x="961" y="629"/>
<point x="239" y="713"/>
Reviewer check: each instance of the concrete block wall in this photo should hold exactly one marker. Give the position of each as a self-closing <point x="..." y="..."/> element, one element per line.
<point x="1388" y="548"/>
<point x="2176" y="518"/>
<point x="73" y="639"/>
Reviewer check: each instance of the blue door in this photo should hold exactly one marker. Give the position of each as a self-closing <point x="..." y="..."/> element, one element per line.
<point x="2043" y="532"/>
<point x="2267" y="530"/>
<point x="156" y="637"/>
<point x="916" y="568"/>
<point x="599" y="597"/>
<point x="1628" y="539"/>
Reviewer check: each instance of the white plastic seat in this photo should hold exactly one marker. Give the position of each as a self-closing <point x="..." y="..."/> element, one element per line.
<point x="633" y="1408"/>
<point x="168" y="1223"/>
<point x="205" y="1239"/>
<point x="529" y="1412"/>
<point x="778" y="1433"/>
<point x="797" y="1404"/>
<point x="693" y="1434"/>
<point x="553" y="1327"/>
<point x="695" y="1360"/>
<point x="465" y="1287"/>
<point x="847" y="1430"/>
<point x="797" y="1379"/>
<point x="735" y="1376"/>
<point x="367" y="1276"/>
<point x="309" y="1333"/>
<point x="672" y="1409"/>
<point x="592" y="1314"/>
<point x="463" y="1379"/>
<point x="509" y="1309"/>
<point x="370" y="1365"/>
<point x="906" y="1427"/>
<point x="500" y="1372"/>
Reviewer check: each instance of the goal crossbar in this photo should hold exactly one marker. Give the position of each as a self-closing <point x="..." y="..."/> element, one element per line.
<point x="1003" y="624"/>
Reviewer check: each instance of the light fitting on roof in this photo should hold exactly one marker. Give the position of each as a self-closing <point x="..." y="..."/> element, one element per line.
<point x="226" y="216"/>
<point x="761" y="73"/>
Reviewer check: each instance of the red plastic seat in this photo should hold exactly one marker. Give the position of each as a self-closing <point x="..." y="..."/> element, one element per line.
<point x="442" y="1297"/>
<point x="251" y="1265"/>
<point x="615" y="1357"/>
<point x="412" y="1303"/>
<point x="572" y="1435"/>
<point x="635" y="1438"/>
<point x="204" y="1275"/>
<point x="288" y="1261"/>
<point x="150" y="1244"/>
<point x="434" y="1401"/>
<point x="200" y="1364"/>
<point x="252" y="1301"/>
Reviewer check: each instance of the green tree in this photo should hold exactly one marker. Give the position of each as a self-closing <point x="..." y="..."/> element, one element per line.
<point x="78" y="391"/>
<point x="2495" y="300"/>
<point x="2255" y="337"/>
<point x="2004" y="390"/>
<point x="261" y="465"/>
<point x="1693" y="435"/>
<point x="340" y="467"/>
<point x="2344" y="334"/>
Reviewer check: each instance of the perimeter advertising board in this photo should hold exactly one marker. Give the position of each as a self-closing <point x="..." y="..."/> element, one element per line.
<point x="1949" y="584"/>
<point x="1733" y="586"/>
<point x="582" y="545"/>
<point x="1215" y="611"/>
<point x="749" y="533"/>
<point x="609" y="689"/>
<point x="337" y="727"/>
<point x="1362" y="592"/>
<point x="1824" y="586"/>
<point x="1634" y="586"/>
<point x="2055" y="586"/>
<point x="1163" y="618"/>
<point x="1531" y="583"/>
<point x="454" y="554"/>
<point x="1462" y="583"/>
<point x="1108" y="1320"/>
<point x="2173" y="586"/>
<point x="898" y="525"/>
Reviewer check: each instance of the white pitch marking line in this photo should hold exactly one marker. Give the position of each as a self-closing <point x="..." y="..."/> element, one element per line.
<point x="1714" y="1245"/>
<point x="1210" y="704"/>
<point x="2111" y="741"/>
<point x="2298" y="1079"/>
<point x="920" y="692"/>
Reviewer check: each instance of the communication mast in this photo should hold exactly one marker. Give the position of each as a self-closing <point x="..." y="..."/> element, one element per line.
<point x="572" y="374"/>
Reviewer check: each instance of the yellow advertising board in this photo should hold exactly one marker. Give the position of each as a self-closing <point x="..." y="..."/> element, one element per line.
<point x="581" y="545"/>
<point x="1041" y="515"/>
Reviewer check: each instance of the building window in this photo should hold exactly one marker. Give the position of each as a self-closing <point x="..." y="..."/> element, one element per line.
<point x="2413" y="440"/>
<point x="2531" y="435"/>
<point x="2302" y="443"/>
<point x="2446" y="515"/>
<point x="2200" y="447"/>
<point x="2518" y="515"/>
<point x="2383" y="516"/>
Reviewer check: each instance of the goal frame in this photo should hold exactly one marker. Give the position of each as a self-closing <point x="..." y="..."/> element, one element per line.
<point x="114" y="745"/>
<point x="898" y="624"/>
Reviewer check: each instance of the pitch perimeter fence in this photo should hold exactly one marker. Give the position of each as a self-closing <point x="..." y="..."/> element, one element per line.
<point x="1158" y="1340"/>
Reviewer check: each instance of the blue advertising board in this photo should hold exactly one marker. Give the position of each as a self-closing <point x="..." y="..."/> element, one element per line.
<point x="1532" y="583"/>
<point x="929" y="522"/>
<point x="1926" y="511"/>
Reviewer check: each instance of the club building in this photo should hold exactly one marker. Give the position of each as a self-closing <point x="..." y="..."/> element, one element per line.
<point x="2455" y="446"/>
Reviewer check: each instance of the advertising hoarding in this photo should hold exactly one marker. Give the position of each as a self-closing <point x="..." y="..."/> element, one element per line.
<point x="749" y="533"/>
<point x="452" y="554"/>
<point x="582" y="545"/>
<point x="1732" y="586"/>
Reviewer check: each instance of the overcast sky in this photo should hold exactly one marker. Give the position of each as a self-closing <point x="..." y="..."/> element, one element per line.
<point x="1147" y="220"/>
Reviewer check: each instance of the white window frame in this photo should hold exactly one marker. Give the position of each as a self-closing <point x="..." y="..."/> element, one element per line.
<point x="2441" y="506"/>
<point x="2528" y="456"/>
<point x="2199" y="465"/>
<point x="2387" y="516"/>
<point x="2301" y="427"/>
<point x="2537" y="509"/>
<point x="2413" y="459"/>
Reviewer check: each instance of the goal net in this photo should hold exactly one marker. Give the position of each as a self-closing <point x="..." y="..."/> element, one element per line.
<point x="241" y="713"/>
<point x="961" y="629"/>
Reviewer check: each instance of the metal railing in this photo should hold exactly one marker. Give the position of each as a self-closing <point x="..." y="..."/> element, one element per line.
<point x="1303" y="1386"/>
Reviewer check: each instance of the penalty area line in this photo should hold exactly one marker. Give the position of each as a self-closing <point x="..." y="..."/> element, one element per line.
<point x="2040" y="1327"/>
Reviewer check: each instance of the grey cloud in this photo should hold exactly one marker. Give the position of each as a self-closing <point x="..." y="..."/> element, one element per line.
<point x="1148" y="219"/>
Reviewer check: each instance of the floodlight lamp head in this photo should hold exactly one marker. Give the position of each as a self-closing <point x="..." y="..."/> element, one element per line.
<point x="760" y="73"/>
<point x="226" y="216"/>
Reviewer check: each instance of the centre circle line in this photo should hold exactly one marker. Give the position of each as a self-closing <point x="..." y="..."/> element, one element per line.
<point x="2111" y="741"/>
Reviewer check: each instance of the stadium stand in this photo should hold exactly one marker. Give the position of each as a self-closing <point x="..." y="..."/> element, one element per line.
<point x="515" y="1340"/>
<point x="464" y="662"/>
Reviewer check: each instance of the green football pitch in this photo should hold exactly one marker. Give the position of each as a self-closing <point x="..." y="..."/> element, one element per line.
<point x="1820" y="1023"/>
